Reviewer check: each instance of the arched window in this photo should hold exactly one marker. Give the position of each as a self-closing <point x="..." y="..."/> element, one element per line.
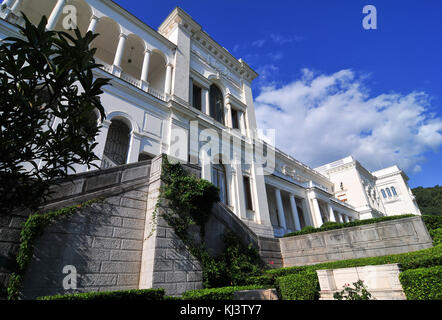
<point x="383" y="193"/>
<point x="216" y="103"/>
<point x="388" y="192"/>
<point x="219" y="180"/>
<point x="393" y="189"/>
<point x="117" y="144"/>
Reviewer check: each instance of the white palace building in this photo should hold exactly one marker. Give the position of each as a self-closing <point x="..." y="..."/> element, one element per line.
<point x="172" y="84"/>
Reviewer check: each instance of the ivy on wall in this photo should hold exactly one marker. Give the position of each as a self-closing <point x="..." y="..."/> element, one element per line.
<point x="188" y="201"/>
<point x="34" y="227"/>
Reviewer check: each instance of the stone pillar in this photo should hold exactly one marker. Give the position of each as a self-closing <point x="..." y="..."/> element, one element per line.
<point x="145" y="70"/>
<point x="338" y="217"/>
<point x="228" y="121"/>
<point x="242" y="123"/>
<point x="295" y="212"/>
<point x="168" y="83"/>
<point x="55" y="15"/>
<point x="93" y="24"/>
<point x="344" y="218"/>
<point x="280" y="209"/>
<point x="317" y="213"/>
<point x="16" y="6"/>
<point x="191" y="92"/>
<point x="7" y="3"/>
<point x="134" y="148"/>
<point x="331" y="214"/>
<point x="205" y="102"/>
<point x="120" y="51"/>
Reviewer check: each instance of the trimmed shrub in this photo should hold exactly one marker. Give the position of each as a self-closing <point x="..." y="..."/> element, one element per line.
<point x="146" y="294"/>
<point x="422" y="283"/>
<point x="436" y="235"/>
<point x="334" y="225"/>
<point x="225" y="293"/>
<point x="299" y="286"/>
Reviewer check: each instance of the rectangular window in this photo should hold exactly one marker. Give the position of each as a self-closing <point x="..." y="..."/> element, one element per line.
<point x="235" y="120"/>
<point x="248" y="193"/>
<point x="196" y="102"/>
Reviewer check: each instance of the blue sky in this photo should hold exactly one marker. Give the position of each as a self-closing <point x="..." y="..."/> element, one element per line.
<point x="375" y="94"/>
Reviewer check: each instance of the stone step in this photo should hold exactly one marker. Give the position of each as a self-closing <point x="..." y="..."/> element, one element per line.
<point x="259" y="294"/>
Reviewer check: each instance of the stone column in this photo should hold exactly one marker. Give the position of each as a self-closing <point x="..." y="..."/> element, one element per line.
<point x="338" y="217"/>
<point x="317" y="213"/>
<point x="242" y="122"/>
<point x="295" y="212"/>
<point x="228" y="121"/>
<point x="7" y="3"/>
<point x="93" y="24"/>
<point x="280" y="209"/>
<point x="168" y="83"/>
<point x="205" y="102"/>
<point x="331" y="213"/>
<point x="344" y="218"/>
<point x="55" y="15"/>
<point x="16" y="6"/>
<point x="120" y="51"/>
<point x="145" y="70"/>
<point x="191" y="92"/>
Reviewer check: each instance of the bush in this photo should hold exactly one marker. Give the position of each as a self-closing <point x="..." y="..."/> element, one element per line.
<point x="225" y="293"/>
<point x="334" y="225"/>
<point x="300" y="286"/>
<point x="425" y="258"/>
<point x="147" y="294"/>
<point x="422" y="283"/>
<point x="432" y="222"/>
<point x="436" y="235"/>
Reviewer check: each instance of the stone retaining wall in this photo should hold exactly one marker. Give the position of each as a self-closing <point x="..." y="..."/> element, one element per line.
<point x="379" y="239"/>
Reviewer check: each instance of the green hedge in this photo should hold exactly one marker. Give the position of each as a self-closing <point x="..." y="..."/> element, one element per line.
<point x="225" y="293"/>
<point x="422" y="283"/>
<point x="146" y="294"/>
<point x="300" y="286"/>
<point x="334" y="225"/>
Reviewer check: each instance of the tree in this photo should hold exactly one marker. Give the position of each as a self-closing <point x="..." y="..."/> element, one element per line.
<point x="45" y="76"/>
<point x="429" y="200"/>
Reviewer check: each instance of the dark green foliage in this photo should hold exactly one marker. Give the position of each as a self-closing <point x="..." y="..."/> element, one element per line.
<point x="298" y="286"/>
<point x="224" y="293"/>
<point x="233" y="266"/>
<point x="45" y="75"/>
<point x="422" y="283"/>
<point x="334" y="225"/>
<point x="429" y="200"/>
<point x="188" y="201"/>
<point x="436" y="235"/>
<point x="359" y="292"/>
<point x="146" y="294"/>
<point x="33" y="227"/>
<point x="432" y="222"/>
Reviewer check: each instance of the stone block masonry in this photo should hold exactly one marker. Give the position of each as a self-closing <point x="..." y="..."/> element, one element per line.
<point x="379" y="239"/>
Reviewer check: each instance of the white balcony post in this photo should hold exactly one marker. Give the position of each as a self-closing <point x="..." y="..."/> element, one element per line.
<point x="120" y="50"/>
<point x="145" y="70"/>
<point x="295" y="212"/>
<point x="168" y="82"/>
<point x="280" y="209"/>
<point x="93" y="24"/>
<point x="317" y="213"/>
<point x="55" y="15"/>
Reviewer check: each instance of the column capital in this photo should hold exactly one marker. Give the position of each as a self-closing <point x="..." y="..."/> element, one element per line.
<point x="169" y="64"/>
<point x="147" y="50"/>
<point x="123" y="35"/>
<point x="94" y="17"/>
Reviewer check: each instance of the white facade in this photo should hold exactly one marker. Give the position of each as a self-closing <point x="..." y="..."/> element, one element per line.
<point x="173" y="84"/>
<point x="373" y="194"/>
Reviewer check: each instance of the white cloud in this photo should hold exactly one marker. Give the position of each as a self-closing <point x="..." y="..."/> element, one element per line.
<point x="322" y="118"/>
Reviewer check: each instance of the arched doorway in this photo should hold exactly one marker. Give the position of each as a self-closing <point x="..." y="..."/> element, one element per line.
<point x="219" y="179"/>
<point x="117" y="144"/>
